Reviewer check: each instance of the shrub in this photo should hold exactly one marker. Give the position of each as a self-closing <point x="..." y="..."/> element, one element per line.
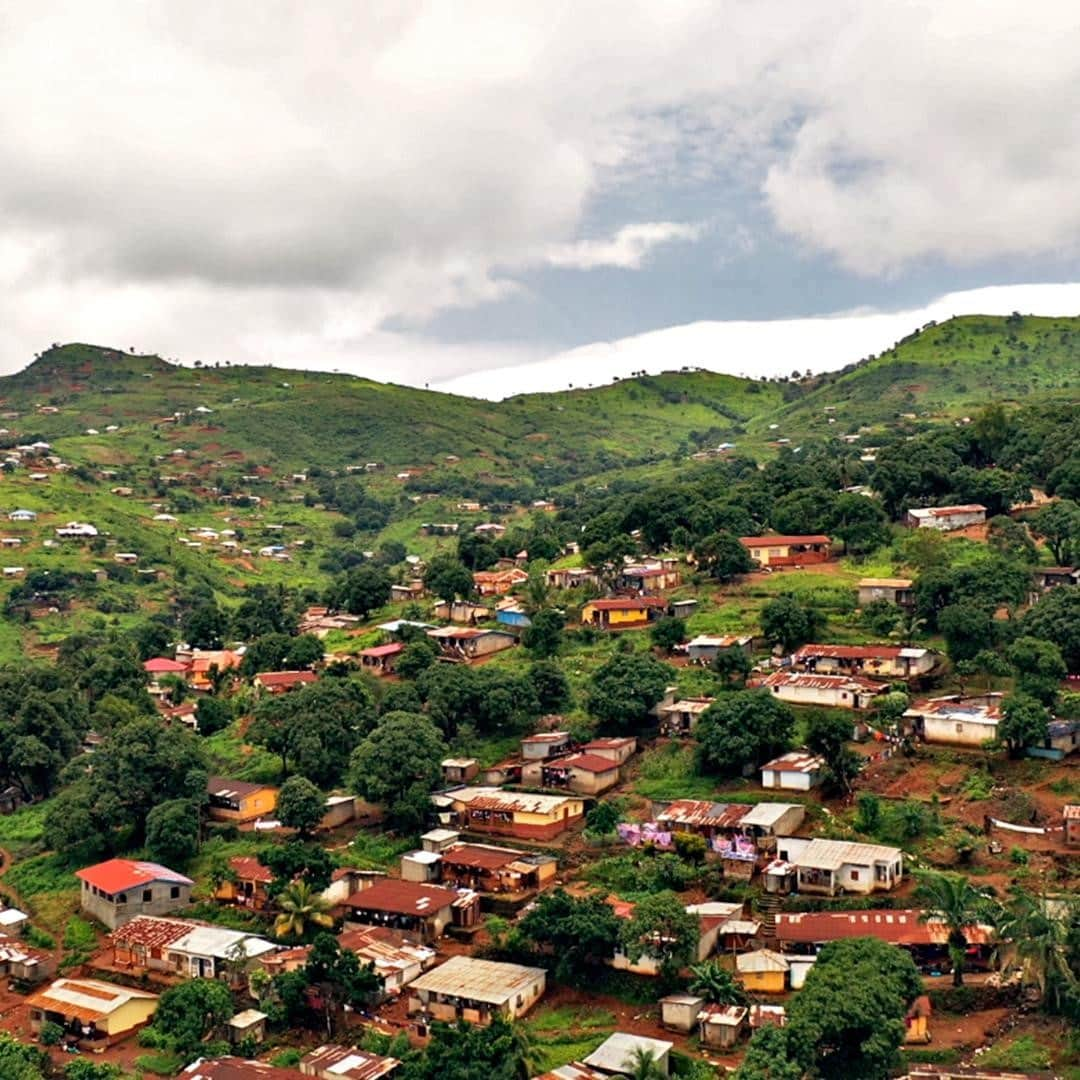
<point x="50" y="1034"/>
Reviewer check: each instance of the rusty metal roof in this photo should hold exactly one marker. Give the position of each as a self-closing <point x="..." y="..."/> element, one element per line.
<point x="349" y="1063"/>
<point x="702" y="812"/>
<point x="823" y="682"/>
<point x="402" y="898"/>
<point x="899" y="927"/>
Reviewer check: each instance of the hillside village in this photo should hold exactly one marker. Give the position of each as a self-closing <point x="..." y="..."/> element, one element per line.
<point x="683" y="728"/>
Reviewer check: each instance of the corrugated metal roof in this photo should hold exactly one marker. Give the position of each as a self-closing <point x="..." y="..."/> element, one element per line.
<point x="116" y="875"/>
<point x="85" y="999"/>
<point x="781" y="541"/>
<point x="489" y="798"/>
<point x="798" y="761"/>
<point x="832" y="854"/>
<point x="350" y="1063"/>
<point x="766" y="814"/>
<point x="885" y="583"/>
<point x="823" y="682"/>
<point x="481" y="856"/>
<point x="899" y="927"/>
<point x="614" y="1054"/>
<point x="855" y="652"/>
<point x="479" y="980"/>
<point x="764" y="960"/>
<point x="704" y="813"/>
<point x="402" y="898"/>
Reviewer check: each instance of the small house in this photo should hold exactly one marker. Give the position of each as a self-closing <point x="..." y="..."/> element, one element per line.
<point x="946" y="518"/>
<point x="423" y="910"/>
<point x="781" y="551"/>
<point x="829" y="867"/>
<point x="615" y="1056"/>
<point x="683" y="609"/>
<point x="22" y="515"/>
<point x="332" y="1062"/>
<point x="397" y="958"/>
<point x="499" y="582"/>
<point x="679" y="1012"/>
<point x="247" y="1025"/>
<point x="407" y="592"/>
<point x="585" y="774"/>
<point x="797" y="770"/>
<point x="881" y="661"/>
<point x="126" y="558"/>
<point x="117" y="890"/>
<point x="617" y="749"/>
<point x="515" y="813"/>
<point x="722" y="1026"/>
<point x="649" y="579"/>
<point x="679" y="718"/>
<point x="239" y="800"/>
<point x="204" y="662"/>
<point x="704" y="648"/>
<point x="13" y="921"/>
<point x="23" y="963"/>
<point x="833" y="691"/>
<point x="513" y="615"/>
<point x="462" y="612"/>
<point x="545" y="744"/>
<point x="381" y="659"/>
<point x="1071" y="814"/>
<point x="622" y="613"/>
<point x="899" y="591"/>
<point x="1045" y="578"/>
<point x="766" y="821"/>
<point x="468" y="988"/>
<point x="486" y="868"/>
<point x="98" y="1013"/>
<point x="571" y="577"/>
<point x="282" y="682"/>
<point x="470" y="643"/>
<point x="763" y="971"/>
<point x="459" y="770"/>
<point x="247" y="883"/>
<point x="703" y="817"/>
<point x="956" y="721"/>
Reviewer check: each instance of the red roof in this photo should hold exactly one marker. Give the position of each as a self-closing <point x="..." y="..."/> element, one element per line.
<point x="592" y="763"/>
<point x="402" y="898"/>
<point x="384" y="650"/>
<point x="480" y="855"/>
<point x="117" y="875"/>
<point x="283" y="680"/>
<point x="705" y="813"/>
<point x="897" y="927"/>
<point x="151" y="932"/>
<point x="160" y="665"/>
<point x="248" y="868"/>
<point x="773" y="541"/>
<point x="234" y="1068"/>
<point x="823" y="682"/>
<point x="628" y="603"/>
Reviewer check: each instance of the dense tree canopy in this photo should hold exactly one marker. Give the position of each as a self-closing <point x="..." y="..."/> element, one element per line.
<point x="625" y="688"/>
<point x="743" y="731"/>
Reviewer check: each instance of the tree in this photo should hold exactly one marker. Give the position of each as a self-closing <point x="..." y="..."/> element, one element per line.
<point x="715" y="983"/>
<point x="82" y="1069"/>
<point x="625" y="688"/>
<point x="401" y="697"/>
<point x="301" y="908"/>
<point x="545" y="634"/>
<point x="21" y="1061"/>
<point x="448" y="578"/>
<point x="952" y="899"/>
<point x="1058" y="524"/>
<point x="300" y="805"/>
<point x="361" y="589"/>
<point x="213" y="714"/>
<point x="1042" y="937"/>
<point x="580" y="932"/>
<point x="1011" y="539"/>
<point x="732" y="665"/>
<point x="769" y="1056"/>
<point x="742" y="731"/>
<point x="172" y="832"/>
<point x="967" y="628"/>
<point x="416" y="658"/>
<point x="1024" y="722"/>
<point x="304" y="651"/>
<point x="803" y="511"/>
<point x="266" y="653"/>
<point x="550" y="685"/>
<point x="643" y="1064"/>
<point x="859" y="522"/>
<point x="602" y="818"/>
<point x="498" y="1051"/>
<point x="296" y="859"/>
<point x="723" y="557"/>
<point x="668" y="632"/>
<point x="828" y="735"/>
<point x="663" y="929"/>
<point x="205" y="626"/>
<point x="188" y="1013"/>
<point x="1040" y="668"/>
<point x="847" y="1023"/>
<point x="788" y="623"/>
<point x="1056" y="618"/>
<point x="397" y="763"/>
<point x="340" y="978"/>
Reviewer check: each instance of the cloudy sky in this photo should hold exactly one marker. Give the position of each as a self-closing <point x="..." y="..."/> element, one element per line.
<point x="492" y="197"/>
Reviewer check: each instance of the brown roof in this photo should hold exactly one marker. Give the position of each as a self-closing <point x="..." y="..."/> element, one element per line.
<point x="234" y="1068"/>
<point x="222" y="786"/>
<point x="248" y="868"/>
<point x="704" y="812"/>
<point x="481" y="856"/>
<point x="823" y="682"/>
<point x="349" y="1063"/>
<point x="402" y="898"/>
<point x="781" y="541"/>
<point x="849" y="652"/>
<point x="592" y="763"/>
<point x="151" y="932"/>
<point x="285" y="679"/>
<point x="902" y="927"/>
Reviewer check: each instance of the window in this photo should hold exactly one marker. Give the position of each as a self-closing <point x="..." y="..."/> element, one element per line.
<point x="959" y="729"/>
<point x="174" y="893"/>
<point x="854" y="875"/>
<point x="147" y="895"/>
<point x="122" y="898"/>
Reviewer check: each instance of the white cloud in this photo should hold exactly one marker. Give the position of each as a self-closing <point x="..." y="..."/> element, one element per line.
<point x="627" y="249"/>
<point x="756" y="348"/>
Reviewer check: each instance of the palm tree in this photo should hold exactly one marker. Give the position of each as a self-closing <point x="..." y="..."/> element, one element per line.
<point x="1037" y="931"/>
<point x="953" y="900"/>
<point x="908" y="627"/>
<point x="643" y="1064"/>
<point x="301" y="906"/>
<point x="715" y="984"/>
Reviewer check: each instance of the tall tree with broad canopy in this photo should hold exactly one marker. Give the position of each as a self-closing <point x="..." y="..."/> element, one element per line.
<point x="580" y="932"/>
<point x="300" y="805"/>
<point x="545" y="634"/>
<point x="847" y="1023"/>
<point x="188" y="1013"/>
<point x="722" y="556"/>
<point x="1024" y="722"/>
<point x="1056" y="618"/>
<point x="448" y="579"/>
<point x="1058" y="524"/>
<point x="828" y="735"/>
<point x="1040" y="668"/>
<point x="743" y="731"/>
<point x="466" y="1052"/>
<point x="662" y="928"/>
<point x="625" y="688"/>
<point x="788" y="623"/>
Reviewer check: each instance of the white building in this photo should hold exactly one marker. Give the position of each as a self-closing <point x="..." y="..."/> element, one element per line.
<point x="468" y="988"/>
<point x="832" y="866"/>
<point x="947" y="518"/>
<point x="956" y="721"/>
<point x="798" y="770"/>
<point x="833" y="691"/>
<point x="615" y="1056"/>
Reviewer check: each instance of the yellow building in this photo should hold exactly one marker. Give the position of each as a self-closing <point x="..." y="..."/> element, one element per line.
<point x="98" y="1012"/>
<point x="622" y="613"/>
<point x="238" y="801"/>
<point x="515" y="813"/>
<point x="763" y="972"/>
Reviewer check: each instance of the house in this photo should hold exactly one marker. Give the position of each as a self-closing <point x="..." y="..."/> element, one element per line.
<point x="98" y="1013"/>
<point x="829" y="867"/>
<point x="946" y="518"/>
<point x="763" y="971"/>
<point x="768" y="820"/>
<point x="513" y="615"/>
<point x="622" y="613"/>
<point x="490" y="528"/>
<point x="649" y="579"/>
<point x="582" y="773"/>
<point x="714" y="919"/>
<point x="117" y="890"/>
<point x="797" y="770"/>
<point x="12" y="920"/>
<point x="469" y="643"/>
<point x="481" y="867"/>
<point x="181" y="947"/>
<point x="204" y="662"/>
<point x="704" y="648"/>
<point x="780" y="551"/>
<point x="407" y="592"/>
<point x="462" y="612"/>
<point x="475" y="990"/>
<point x="527" y="816"/>
<point x="247" y="884"/>
<point x="679" y="718"/>
<point x="573" y="1071"/>
<point x="956" y="721"/>
<point x="679" y="1012"/>
<point x="438" y="528"/>
<point x="545" y="744"/>
<point x="398" y="959"/>
<point x="158" y="666"/>
<point x="899" y="591"/>
<point x="926" y="939"/>
<point x="21" y="963"/>
<point x="14" y="571"/>
<point x="703" y="817"/>
<point x="617" y="749"/>
<point x="459" y="770"/>
<point x="1062" y="738"/>
<point x="423" y="910"/>
<point x="835" y="691"/>
<point x="247" y="1025"/>
<point x="381" y="659"/>
<point x="331" y="1062"/>
<point x="239" y="800"/>
<point x="126" y="558"/>
<point x="1045" y="578"/>
<point x="498" y="582"/>
<point x="721" y="1026"/>
<point x="282" y="682"/>
<point x="883" y="661"/>
<point x="571" y="577"/>
<point x="615" y="1056"/>
<point x="1071" y="813"/>
<point x="236" y="1068"/>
